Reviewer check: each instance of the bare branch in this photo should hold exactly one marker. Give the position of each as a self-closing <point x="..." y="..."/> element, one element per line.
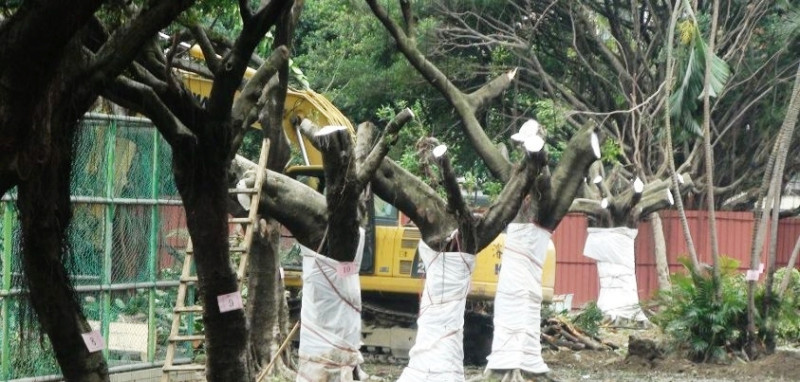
<point x="385" y="142"/>
<point x="252" y="90"/>
<point x="123" y="89"/>
<point x="491" y="90"/>
<point x="233" y="65"/>
<point x="126" y="42"/>
<point x="209" y="54"/>
<point x="497" y="164"/>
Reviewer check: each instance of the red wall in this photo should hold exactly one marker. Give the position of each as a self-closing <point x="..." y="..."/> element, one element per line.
<point x="577" y="274"/>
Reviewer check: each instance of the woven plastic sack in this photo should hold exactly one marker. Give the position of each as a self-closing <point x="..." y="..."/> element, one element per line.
<point x="438" y="352"/>
<point x="613" y="249"/>
<point x="330" y="329"/>
<point x="518" y="303"/>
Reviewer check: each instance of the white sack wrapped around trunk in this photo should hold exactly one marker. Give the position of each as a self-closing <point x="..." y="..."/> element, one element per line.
<point x="438" y="352"/>
<point x="518" y="303"/>
<point x="330" y="317"/>
<point x="613" y="248"/>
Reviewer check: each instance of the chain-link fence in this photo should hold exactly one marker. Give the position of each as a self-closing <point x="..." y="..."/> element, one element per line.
<point x="126" y="243"/>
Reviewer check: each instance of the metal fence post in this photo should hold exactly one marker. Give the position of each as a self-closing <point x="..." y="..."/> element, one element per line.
<point x="8" y="244"/>
<point x="111" y="145"/>
<point x="152" y="258"/>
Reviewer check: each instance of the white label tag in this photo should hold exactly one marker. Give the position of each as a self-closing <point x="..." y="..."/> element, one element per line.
<point x="760" y="267"/>
<point x="752" y="275"/>
<point x="280" y="270"/>
<point x="346" y="269"/>
<point x="229" y="302"/>
<point x="93" y="340"/>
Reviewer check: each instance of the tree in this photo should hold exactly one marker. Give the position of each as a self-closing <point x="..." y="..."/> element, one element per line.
<point x="53" y="67"/>
<point x="549" y="197"/>
<point x="615" y="206"/>
<point x="770" y="195"/>
<point x="204" y="138"/>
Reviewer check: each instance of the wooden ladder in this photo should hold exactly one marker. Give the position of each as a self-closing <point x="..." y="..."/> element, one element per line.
<point x="179" y="335"/>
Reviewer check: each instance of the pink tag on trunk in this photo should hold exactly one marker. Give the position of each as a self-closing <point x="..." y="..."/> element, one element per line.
<point x="752" y="275"/>
<point x="229" y="302"/>
<point x="93" y="340"/>
<point x="344" y="269"/>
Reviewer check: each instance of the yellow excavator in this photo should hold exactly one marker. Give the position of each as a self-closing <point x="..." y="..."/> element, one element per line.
<point x="391" y="273"/>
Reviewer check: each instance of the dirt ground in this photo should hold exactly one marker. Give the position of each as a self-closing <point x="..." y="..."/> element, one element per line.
<point x="613" y="366"/>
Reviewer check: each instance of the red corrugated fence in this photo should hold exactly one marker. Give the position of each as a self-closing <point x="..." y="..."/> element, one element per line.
<point x="577" y="274"/>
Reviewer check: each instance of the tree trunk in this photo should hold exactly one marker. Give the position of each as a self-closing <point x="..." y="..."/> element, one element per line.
<point x="709" y="153"/>
<point x="200" y="174"/>
<point x="660" y="246"/>
<point x="45" y="213"/>
<point x="775" y="161"/>
<point x="787" y="133"/>
<point x="266" y="305"/>
<point x="668" y="141"/>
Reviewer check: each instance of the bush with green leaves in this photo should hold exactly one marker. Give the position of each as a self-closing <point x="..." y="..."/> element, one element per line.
<point x="703" y="323"/>
<point x="589" y="319"/>
<point x="787" y="309"/>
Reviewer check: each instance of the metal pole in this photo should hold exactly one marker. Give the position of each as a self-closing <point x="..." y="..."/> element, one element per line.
<point x="111" y="145"/>
<point x="104" y="200"/>
<point x="102" y="288"/>
<point x="153" y="255"/>
<point x="8" y="244"/>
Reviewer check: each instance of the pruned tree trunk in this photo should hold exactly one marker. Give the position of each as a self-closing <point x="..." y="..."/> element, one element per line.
<point x="615" y="209"/>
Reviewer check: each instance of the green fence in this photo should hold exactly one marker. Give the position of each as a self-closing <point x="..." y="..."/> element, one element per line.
<point x="126" y="243"/>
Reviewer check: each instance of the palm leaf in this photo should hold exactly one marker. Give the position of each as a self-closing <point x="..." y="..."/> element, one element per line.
<point x="686" y="99"/>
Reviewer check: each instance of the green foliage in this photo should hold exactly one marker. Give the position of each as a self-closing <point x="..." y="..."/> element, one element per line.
<point x="787" y="311"/>
<point x="694" y="316"/>
<point x="611" y="152"/>
<point x="687" y="98"/>
<point x="552" y="116"/>
<point x="492" y="189"/>
<point x="589" y="319"/>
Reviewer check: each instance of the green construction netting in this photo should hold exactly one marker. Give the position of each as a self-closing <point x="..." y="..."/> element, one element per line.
<point x="127" y="241"/>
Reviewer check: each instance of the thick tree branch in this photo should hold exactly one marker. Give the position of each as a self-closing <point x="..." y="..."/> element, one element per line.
<point x="497" y="164"/>
<point x="125" y="43"/>
<point x="507" y="205"/>
<point x="491" y="90"/>
<point x="122" y="90"/>
<point x="234" y="63"/>
<point x="590" y="207"/>
<point x="248" y="99"/>
<point x="416" y="199"/>
<point x="387" y="139"/>
<point x="557" y="194"/>
<point x="301" y="209"/>
<point x="209" y="54"/>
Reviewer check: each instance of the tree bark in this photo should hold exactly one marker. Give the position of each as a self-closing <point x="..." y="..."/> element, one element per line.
<point x="200" y="172"/>
<point x="660" y="248"/>
<point x="266" y="308"/>
<point x="45" y="213"/>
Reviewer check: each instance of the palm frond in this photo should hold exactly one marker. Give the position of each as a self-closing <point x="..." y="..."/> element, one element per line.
<point x="686" y="99"/>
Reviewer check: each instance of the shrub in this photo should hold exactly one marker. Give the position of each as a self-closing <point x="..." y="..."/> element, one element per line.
<point x="699" y="322"/>
<point x="589" y="319"/>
